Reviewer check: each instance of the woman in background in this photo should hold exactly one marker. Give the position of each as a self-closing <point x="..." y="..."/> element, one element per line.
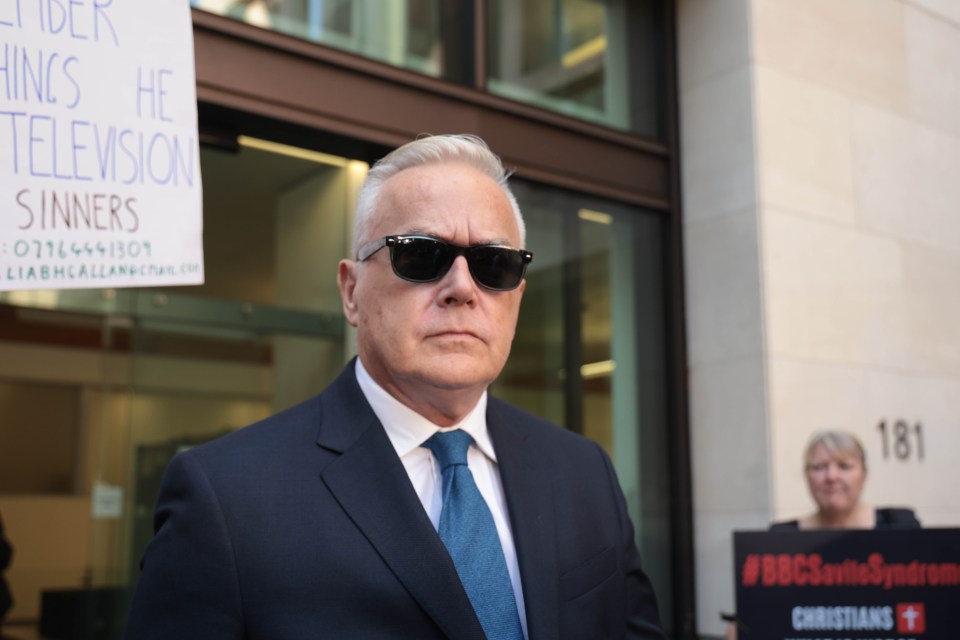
<point x="836" y="469"/>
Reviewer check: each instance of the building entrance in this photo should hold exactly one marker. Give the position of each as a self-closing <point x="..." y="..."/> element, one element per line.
<point x="100" y="388"/>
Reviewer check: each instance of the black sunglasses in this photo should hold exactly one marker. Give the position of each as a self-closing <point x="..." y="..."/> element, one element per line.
<point x="427" y="259"/>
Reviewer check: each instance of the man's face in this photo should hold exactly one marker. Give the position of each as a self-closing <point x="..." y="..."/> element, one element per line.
<point x="428" y="343"/>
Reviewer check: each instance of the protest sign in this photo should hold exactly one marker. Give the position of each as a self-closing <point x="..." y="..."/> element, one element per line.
<point x="885" y="584"/>
<point x="99" y="154"/>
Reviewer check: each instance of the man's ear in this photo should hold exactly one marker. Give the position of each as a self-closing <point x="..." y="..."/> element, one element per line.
<point x="347" y="283"/>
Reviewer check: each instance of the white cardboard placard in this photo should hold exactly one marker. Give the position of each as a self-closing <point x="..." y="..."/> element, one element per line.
<point x="99" y="153"/>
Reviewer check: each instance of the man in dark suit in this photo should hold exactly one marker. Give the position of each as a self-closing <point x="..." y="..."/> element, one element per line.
<point x="344" y="517"/>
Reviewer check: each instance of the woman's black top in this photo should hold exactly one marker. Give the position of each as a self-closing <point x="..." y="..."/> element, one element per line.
<point x="886" y="518"/>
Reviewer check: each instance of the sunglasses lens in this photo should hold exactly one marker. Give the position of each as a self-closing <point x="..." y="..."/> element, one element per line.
<point x="420" y="259"/>
<point x="496" y="267"/>
<point x="423" y="259"/>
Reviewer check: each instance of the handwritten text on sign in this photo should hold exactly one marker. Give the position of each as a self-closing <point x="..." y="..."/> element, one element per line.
<point x="99" y="156"/>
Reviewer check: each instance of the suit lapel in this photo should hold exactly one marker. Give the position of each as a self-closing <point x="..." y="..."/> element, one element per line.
<point x="530" y="500"/>
<point x="370" y="483"/>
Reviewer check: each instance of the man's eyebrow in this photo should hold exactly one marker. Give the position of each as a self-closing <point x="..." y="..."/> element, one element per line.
<point x="499" y="242"/>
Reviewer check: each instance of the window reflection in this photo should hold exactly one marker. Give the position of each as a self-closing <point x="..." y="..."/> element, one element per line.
<point x="591" y="60"/>
<point x="588" y="352"/>
<point x="403" y="33"/>
<point x="99" y="388"/>
<point x="597" y="61"/>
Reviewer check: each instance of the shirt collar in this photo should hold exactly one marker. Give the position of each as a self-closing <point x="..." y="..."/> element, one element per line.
<point x="407" y="429"/>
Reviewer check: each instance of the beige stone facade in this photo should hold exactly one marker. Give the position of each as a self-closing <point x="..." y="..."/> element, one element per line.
<point x="821" y="185"/>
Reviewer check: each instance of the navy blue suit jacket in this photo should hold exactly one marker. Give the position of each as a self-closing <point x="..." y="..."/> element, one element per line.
<point x="306" y="525"/>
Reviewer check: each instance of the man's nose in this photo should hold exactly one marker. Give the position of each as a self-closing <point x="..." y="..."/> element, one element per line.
<point x="457" y="285"/>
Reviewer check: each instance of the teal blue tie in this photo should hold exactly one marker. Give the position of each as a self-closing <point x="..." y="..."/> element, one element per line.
<point x="468" y="531"/>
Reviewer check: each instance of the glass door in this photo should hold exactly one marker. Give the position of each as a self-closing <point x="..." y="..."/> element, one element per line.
<point x="99" y="388"/>
<point x="589" y="352"/>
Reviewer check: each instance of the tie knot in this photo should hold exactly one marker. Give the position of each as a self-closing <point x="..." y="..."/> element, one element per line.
<point x="449" y="447"/>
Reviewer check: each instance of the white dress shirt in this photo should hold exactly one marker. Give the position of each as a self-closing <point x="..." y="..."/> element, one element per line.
<point x="408" y="430"/>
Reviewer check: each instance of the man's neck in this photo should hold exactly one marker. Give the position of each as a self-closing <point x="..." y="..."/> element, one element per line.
<point x="443" y="407"/>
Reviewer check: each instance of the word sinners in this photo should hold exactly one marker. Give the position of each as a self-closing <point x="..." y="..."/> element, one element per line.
<point x="803" y="570"/>
<point x="49" y="249"/>
<point x="45" y="210"/>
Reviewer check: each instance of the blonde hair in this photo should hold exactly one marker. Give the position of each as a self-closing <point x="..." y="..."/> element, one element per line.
<point x="840" y="444"/>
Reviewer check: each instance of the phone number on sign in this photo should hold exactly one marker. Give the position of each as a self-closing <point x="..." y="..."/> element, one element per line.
<point x="71" y="250"/>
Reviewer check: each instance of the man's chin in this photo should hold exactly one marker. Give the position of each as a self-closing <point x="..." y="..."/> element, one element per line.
<point x="457" y="372"/>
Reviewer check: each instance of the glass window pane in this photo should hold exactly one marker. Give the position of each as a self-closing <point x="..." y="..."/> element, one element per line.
<point x="100" y="388"/>
<point x="588" y="353"/>
<point x="591" y="60"/>
<point x="428" y="36"/>
<point x="38" y="417"/>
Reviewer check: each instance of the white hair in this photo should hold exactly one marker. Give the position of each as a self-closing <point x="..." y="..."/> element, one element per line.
<point x="427" y="150"/>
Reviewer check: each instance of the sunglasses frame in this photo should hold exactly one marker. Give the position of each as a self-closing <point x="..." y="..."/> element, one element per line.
<point x="367" y="251"/>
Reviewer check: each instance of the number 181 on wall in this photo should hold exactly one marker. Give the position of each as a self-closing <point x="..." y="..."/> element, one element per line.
<point x="901" y="440"/>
